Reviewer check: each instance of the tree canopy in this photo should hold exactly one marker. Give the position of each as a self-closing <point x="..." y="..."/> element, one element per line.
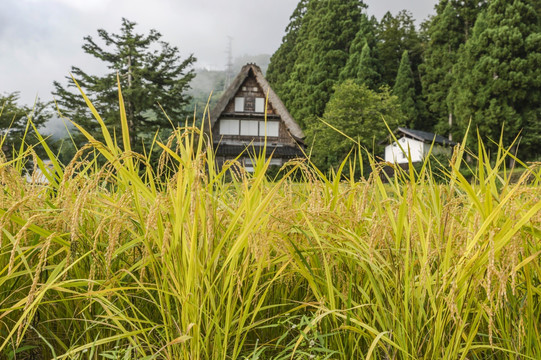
<point x="322" y="48"/>
<point x="368" y="73"/>
<point x="151" y="72"/>
<point x="283" y="60"/>
<point x="404" y="89"/>
<point x="500" y="76"/>
<point x="475" y="59"/>
<point x="396" y="34"/>
<point x="357" y="112"/>
<point x="363" y="41"/>
<point x="447" y="31"/>
<point x="14" y="119"/>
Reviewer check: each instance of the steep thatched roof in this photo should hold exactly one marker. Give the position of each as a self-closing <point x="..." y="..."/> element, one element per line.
<point x="274" y="100"/>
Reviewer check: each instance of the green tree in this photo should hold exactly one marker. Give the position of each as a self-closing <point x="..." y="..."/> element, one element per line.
<point x="396" y="34"/>
<point x="14" y="119"/>
<point x="323" y="49"/>
<point x="357" y="112"/>
<point x="282" y="61"/>
<point x="364" y="37"/>
<point x="500" y="80"/>
<point x="404" y="89"/>
<point x="367" y="72"/>
<point x="151" y="74"/>
<point x="446" y="31"/>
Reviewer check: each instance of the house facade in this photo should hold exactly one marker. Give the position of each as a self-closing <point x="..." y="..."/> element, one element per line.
<point x="248" y="116"/>
<point x="417" y="144"/>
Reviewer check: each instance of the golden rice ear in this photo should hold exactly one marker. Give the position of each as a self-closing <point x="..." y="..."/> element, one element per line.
<point x="188" y="261"/>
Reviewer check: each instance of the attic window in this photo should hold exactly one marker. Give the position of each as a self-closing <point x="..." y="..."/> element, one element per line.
<point x="259" y="105"/>
<point x="239" y="104"/>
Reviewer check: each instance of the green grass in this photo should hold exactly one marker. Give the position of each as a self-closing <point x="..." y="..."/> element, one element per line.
<point x="186" y="261"/>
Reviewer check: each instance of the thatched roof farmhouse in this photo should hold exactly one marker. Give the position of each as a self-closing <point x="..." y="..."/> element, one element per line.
<point x="243" y="117"/>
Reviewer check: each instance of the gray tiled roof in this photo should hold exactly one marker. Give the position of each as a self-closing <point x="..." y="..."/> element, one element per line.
<point x="425" y="136"/>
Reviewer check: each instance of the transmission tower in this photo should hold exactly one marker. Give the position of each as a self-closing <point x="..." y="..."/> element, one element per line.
<point x="229" y="65"/>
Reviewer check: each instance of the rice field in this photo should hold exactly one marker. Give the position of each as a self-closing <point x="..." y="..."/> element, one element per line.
<point x="115" y="259"/>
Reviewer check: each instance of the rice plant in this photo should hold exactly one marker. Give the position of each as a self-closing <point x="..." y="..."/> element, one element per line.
<point x="114" y="258"/>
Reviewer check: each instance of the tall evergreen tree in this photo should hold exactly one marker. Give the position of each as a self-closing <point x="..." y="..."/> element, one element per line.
<point x="151" y="74"/>
<point x="14" y="119"/>
<point x="404" y="89"/>
<point x="368" y="73"/>
<point x="537" y="6"/>
<point x="396" y="34"/>
<point x="365" y="36"/>
<point x="447" y="30"/>
<point x="283" y="60"/>
<point x="323" y="48"/>
<point x="500" y="82"/>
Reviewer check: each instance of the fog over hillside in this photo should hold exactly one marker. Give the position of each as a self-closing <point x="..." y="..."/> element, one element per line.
<point x="209" y="81"/>
<point x="205" y="82"/>
<point x="213" y="80"/>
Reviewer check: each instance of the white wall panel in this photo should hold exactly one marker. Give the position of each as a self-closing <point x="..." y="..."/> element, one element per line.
<point x="229" y="127"/>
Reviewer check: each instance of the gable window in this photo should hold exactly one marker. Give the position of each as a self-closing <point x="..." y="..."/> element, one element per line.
<point x="249" y="104"/>
<point x="229" y="127"/>
<point x="259" y="105"/>
<point x="249" y="127"/>
<point x="239" y="104"/>
<point x="273" y="128"/>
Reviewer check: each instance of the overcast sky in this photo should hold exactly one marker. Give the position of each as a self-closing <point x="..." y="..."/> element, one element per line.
<point x="41" y="39"/>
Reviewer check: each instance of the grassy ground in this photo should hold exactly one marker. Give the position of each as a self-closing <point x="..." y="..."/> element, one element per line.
<point x="188" y="262"/>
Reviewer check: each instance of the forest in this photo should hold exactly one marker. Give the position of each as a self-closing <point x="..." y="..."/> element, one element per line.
<point x="474" y="63"/>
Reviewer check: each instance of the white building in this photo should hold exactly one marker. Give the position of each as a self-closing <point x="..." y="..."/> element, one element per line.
<point x="416" y="144"/>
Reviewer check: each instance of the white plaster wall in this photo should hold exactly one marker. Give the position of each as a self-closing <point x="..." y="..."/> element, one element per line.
<point x="393" y="153"/>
